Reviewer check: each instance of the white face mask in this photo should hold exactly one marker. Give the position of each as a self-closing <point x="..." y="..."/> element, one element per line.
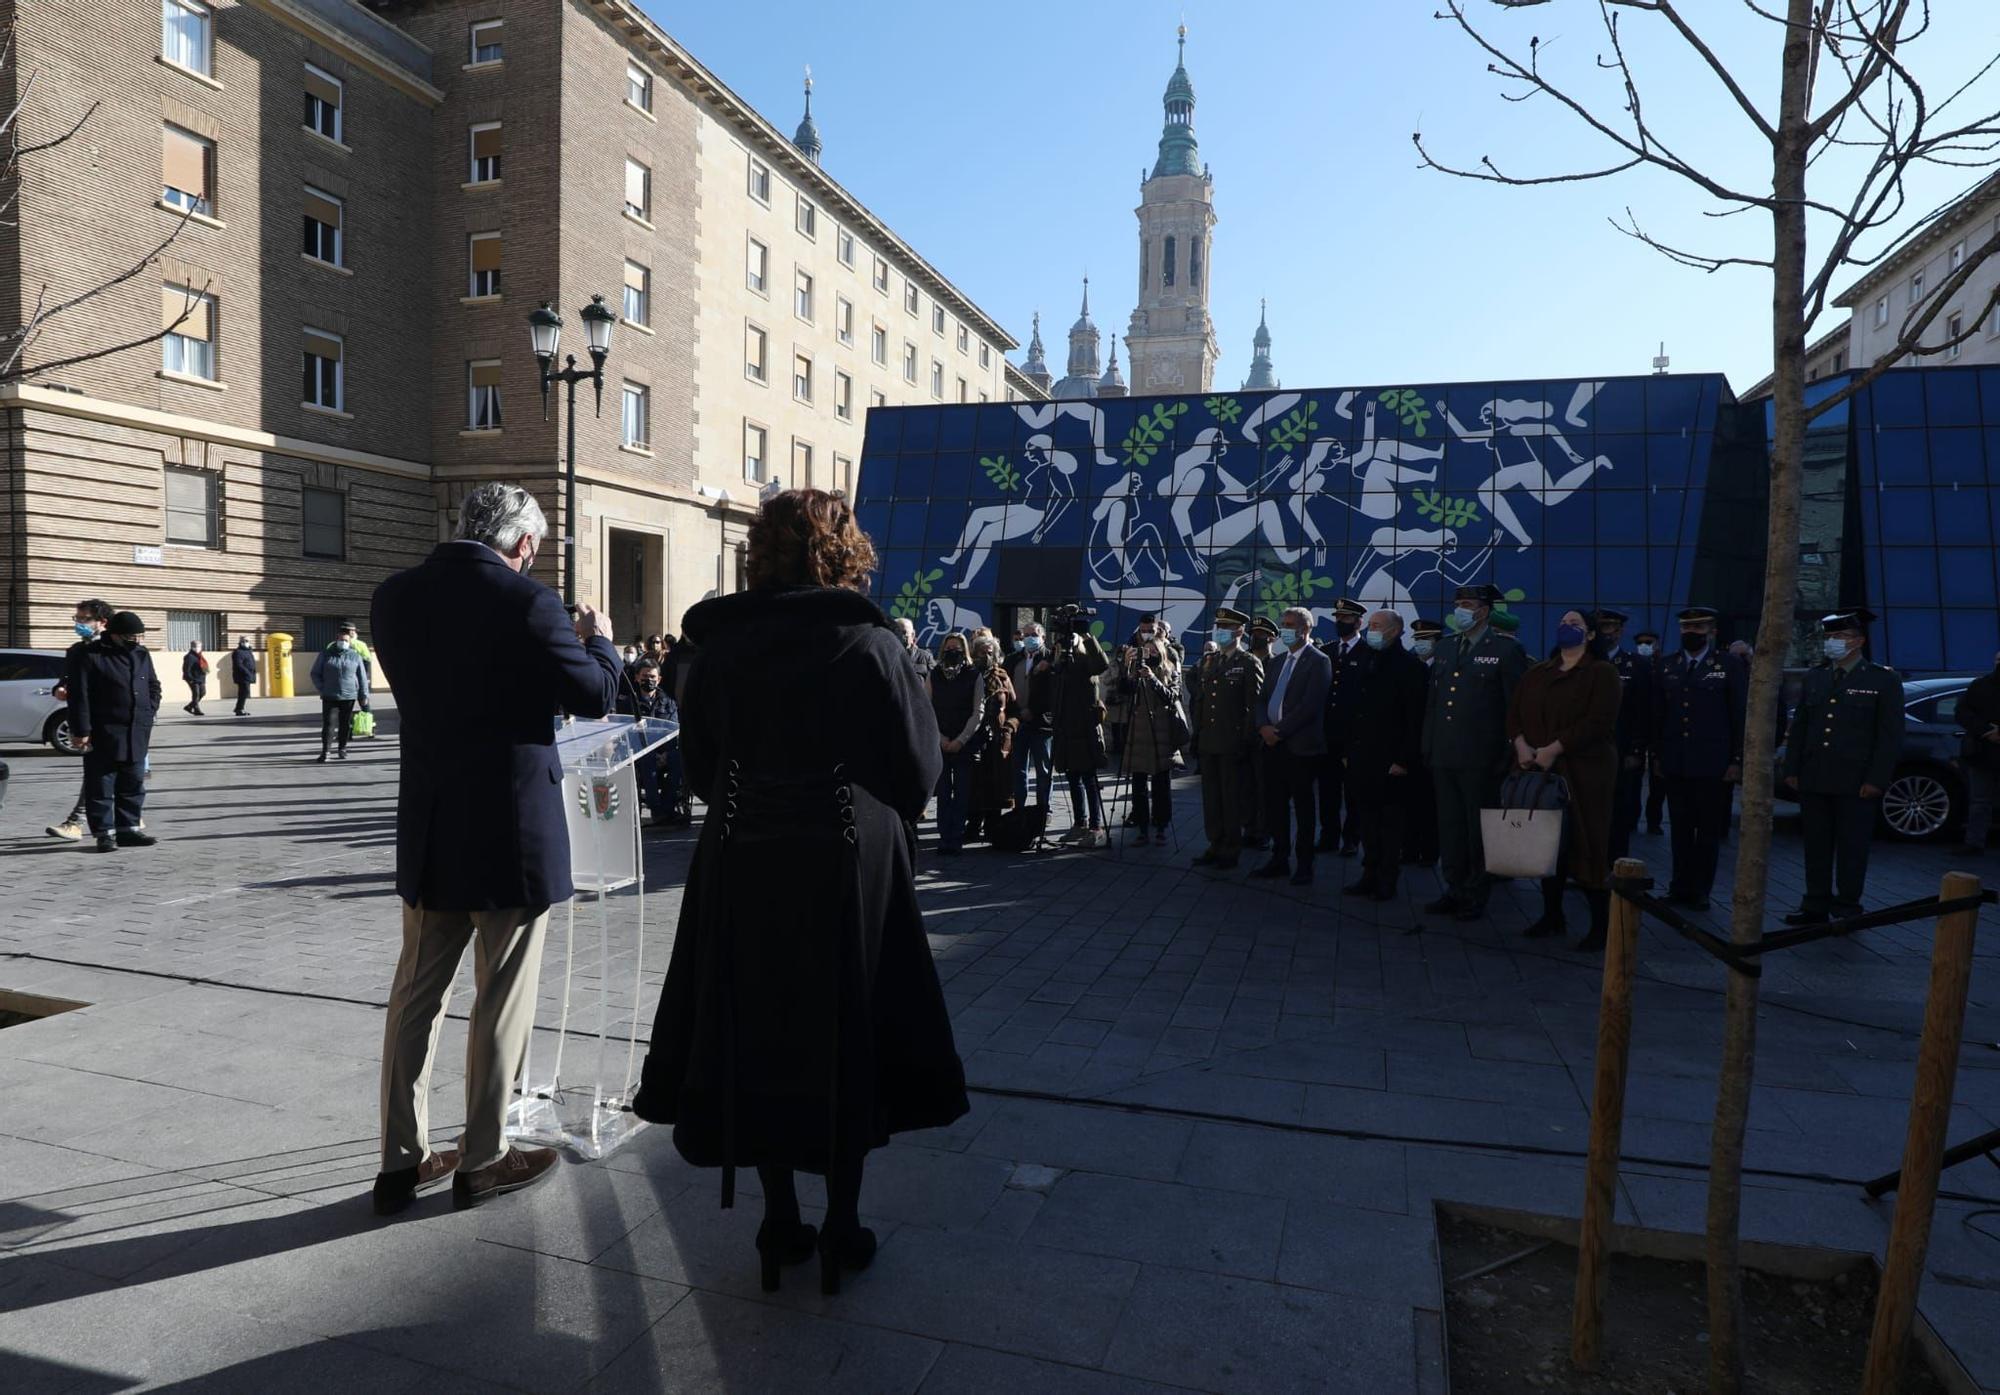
<point x="1645" y="651"/>
<point x="1835" y="648"/>
<point x="1423" y="648"/>
<point x="341" y="644"/>
<point x="1375" y="639"/>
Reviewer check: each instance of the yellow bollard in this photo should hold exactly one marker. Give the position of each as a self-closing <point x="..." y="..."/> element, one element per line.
<point x="278" y="665"/>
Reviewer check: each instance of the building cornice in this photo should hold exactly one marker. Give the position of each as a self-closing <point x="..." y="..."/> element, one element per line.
<point x="1970" y="207"/>
<point x="349" y="47"/>
<point x="640" y="30"/>
<point x="1020" y="382"/>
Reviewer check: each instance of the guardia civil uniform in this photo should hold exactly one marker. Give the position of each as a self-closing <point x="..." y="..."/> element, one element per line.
<point x="1224" y="714"/>
<point x="1465" y="745"/>
<point x="1846" y="733"/>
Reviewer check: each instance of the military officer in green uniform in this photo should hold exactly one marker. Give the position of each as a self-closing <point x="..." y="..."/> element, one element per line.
<point x="1846" y="735"/>
<point x="1225" y="719"/>
<point x="1258" y="636"/>
<point x="1465" y="742"/>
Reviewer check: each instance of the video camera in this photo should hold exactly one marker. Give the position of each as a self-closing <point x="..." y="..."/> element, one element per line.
<point x="1063" y="620"/>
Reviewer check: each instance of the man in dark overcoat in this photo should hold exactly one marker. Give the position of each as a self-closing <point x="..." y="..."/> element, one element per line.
<point x="1339" y="823"/>
<point x="1465" y="743"/>
<point x="1291" y="718"/>
<point x="1847" y="734"/>
<point x="114" y="696"/>
<point x="1635" y="724"/>
<point x="1420" y="813"/>
<point x="243" y="672"/>
<point x="1698" y="707"/>
<point x="1385" y="735"/>
<point x="486" y="661"/>
<point x="1226" y="685"/>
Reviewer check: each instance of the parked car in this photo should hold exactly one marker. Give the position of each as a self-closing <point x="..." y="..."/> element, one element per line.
<point x="29" y="711"/>
<point x="1926" y="797"/>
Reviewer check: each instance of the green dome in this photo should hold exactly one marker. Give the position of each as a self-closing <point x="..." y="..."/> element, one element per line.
<point x="1180" y="88"/>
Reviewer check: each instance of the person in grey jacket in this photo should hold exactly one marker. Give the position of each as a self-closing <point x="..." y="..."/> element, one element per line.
<point x="340" y="676"/>
<point x="1291" y="723"/>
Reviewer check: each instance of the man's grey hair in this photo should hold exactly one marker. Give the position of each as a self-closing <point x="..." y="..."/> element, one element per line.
<point x="1031" y="627"/>
<point x="904" y="627"/>
<point x="1395" y="619"/>
<point x="500" y="515"/>
<point x="1305" y="620"/>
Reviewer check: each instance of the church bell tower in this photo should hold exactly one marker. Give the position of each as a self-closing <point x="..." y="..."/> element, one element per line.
<point x="1172" y="340"/>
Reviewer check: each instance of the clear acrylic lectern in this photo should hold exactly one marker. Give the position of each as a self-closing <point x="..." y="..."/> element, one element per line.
<point x="573" y="1093"/>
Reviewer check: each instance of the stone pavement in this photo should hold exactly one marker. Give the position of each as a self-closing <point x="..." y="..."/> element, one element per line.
<point x="1210" y="1121"/>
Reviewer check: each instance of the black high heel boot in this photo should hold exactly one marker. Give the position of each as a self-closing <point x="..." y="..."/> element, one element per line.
<point x="1600" y="920"/>
<point x="854" y="1249"/>
<point x="1552" y="922"/>
<point x="793" y="1245"/>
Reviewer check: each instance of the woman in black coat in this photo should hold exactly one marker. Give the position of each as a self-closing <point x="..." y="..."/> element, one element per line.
<point x="801" y="1022"/>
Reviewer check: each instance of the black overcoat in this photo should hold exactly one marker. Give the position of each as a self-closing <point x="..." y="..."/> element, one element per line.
<point x="114" y="694"/>
<point x="1384" y="718"/>
<point x="801" y="1016"/>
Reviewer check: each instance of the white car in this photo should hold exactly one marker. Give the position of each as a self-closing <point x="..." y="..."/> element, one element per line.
<point x="29" y="711"/>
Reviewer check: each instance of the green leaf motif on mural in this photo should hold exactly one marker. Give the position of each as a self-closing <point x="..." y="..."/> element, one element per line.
<point x="1283" y="590"/>
<point x="1296" y="428"/>
<point x="1226" y="410"/>
<point x="1001" y="473"/>
<point x="1149" y="433"/>
<point x="1452" y="513"/>
<point x="1513" y="593"/>
<point x="1409" y="406"/>
<point x="910" y="597"/>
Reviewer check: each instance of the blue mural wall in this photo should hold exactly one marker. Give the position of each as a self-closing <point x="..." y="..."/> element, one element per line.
<point x="1566" y="493"/>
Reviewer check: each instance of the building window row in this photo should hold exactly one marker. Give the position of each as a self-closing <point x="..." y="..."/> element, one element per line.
<point x="194" y="519"/>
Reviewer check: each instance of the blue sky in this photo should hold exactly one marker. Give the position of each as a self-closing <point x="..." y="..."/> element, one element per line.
<point x="1007" y="143"/>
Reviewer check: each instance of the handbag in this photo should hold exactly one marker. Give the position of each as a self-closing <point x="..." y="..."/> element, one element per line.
<point x="364" y="723"/>
<point x="1523" y="837"/>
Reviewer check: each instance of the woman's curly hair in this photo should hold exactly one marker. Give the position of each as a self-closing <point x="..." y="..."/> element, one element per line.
<point x="808" y="537"/>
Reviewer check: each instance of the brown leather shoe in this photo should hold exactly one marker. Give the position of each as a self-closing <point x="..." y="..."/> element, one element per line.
<point x="394" y="1191"/>
<point x="517" y="1168"/>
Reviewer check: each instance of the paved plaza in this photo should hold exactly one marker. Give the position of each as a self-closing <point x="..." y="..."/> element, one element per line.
<point x="1210" y="1121"/>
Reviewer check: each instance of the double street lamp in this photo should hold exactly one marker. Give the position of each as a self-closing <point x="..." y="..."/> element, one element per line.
<point x="546" y="327"/>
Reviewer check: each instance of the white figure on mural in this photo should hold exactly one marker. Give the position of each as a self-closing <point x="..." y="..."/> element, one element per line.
<point x="1380" y="465"/>
<point x="1373" y="580"/>
<point x="1525" y="421"/>
<point x="1047" y="491"/>
<point x="942" y="616"/>
<point x="1112" y="521"/>
<point x="1180" y="609"/>
<point x="1256" y="515"/>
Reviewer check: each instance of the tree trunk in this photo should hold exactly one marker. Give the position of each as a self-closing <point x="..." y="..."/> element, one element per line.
<point x="1774" y="635"/>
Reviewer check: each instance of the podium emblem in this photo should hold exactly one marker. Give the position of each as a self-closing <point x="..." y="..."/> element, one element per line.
<point x="597" y="799"/>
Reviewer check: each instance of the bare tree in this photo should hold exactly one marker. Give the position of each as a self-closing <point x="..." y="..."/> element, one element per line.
<point x="1852" y="122"/>
<point x="17" y="340"/>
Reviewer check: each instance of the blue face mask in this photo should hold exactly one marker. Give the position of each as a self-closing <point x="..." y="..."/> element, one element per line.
<point x="1423" y="648"/>
<point x="1375" y="639"/>
<point x="1645" y="651"/>
<point x="1031" y="643"/>
<point x="1464" y="617"/>
<point x="1835" y="649"/>
<point x="85" y="631"/>
<point x="1287" y="636"/>
<point x="1224" y="639"/>
<point x="1569" y="636"/>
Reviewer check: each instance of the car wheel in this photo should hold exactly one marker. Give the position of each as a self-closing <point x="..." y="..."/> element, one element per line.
<point x="1917" y="805"/>
<point x="56" y="733"/>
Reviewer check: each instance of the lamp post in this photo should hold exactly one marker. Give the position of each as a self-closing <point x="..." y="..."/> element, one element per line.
<point x="545" y="325"/>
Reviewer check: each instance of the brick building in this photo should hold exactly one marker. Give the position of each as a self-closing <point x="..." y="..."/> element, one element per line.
<point x="359" y="205"/>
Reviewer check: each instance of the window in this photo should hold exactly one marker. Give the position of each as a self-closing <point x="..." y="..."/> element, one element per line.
<point x="802" y="377"/>
<point x="483" y="385"/>
<point x="486" y="41"/>
<point x="485" y="153"/>
<point x="1881" y="311"/>
<point x="843" y="396"/>
<point x="753" y="453"/>
<point x="325" y="517"/>
<point x="807" y="220"/>
<point x="191" y="520"/>
<point x="638" y="306"/>
<point x="185" y="627"/>
<point x="843" y="474"/>
<point x="937" y="318"/>
<point x="187" y="166"/>
<point x="909" y="362"/>
<point x="1957" y="256"/>
<point x="185" y="35"/>
<point x="964" y="339"/>
<point x="844" y="247"/>
<point x="322" y="103"/>
<point x="878" y="344"/>
<point x="760" y="181"/>
<point x="756" y="354"/>
<point x="1954" y="326"/>
<point x="1167" y="262"/>
<point x="964" y="392"/>
<point x="985" y="355"/>
<point x="1916" y="288"/>
<point x="319" y="632"/>
<point x="802" y="294"/>
<point x="485" y="261"/>
<point x="843" y="320"/>
<point x="638" y="190"/>
<point x="1194" y="262"/>
<point x="634" y="428"/>
<point x="758" y="265"/>
<point x="188" y="317"/>
<point x="877" y="397"/>
<point x="638" y="87"/>
<point x="937" y="379"/>
<point x="909" y="297"/>
<point x="322" y="370"/>
<point x="881" y="276"/>
<point x="322" y="227"/>
<point x="802" y="464"/>
<point x="1145" y="264"/>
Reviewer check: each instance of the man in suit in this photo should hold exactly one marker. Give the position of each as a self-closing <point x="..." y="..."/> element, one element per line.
<point x="1846" y="736"/>
<point x="1291" y="724"/>
<point x="1697" y="749"/>
<point x="1339" y="821"/>
<point x="1385" y="734"/>
<point x="485" y="661"/>
<point x="1465" y="743"/>
<point x="1635" y="725"/>
<point x="114" y="697"/>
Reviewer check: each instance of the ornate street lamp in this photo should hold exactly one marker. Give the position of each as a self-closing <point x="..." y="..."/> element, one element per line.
<point x="545" y="327"/>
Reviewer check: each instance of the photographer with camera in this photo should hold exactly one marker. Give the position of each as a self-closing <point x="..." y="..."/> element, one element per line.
<point x="1149" y="679"/>
<point x="1076" y="736"/>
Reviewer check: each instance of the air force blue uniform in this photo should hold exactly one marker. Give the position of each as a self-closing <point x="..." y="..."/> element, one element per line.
<point x="1698" y="707"/>
<point x="1847" y="732"/>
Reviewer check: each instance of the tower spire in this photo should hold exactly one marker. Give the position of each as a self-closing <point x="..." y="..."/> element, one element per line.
<point x="806" y="138"/>
<point x="1178" y="152"/>
<point x="1262" y="374"/>
<point x="1035" y="370"/>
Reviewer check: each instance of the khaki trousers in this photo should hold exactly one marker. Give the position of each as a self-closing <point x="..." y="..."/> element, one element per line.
<point x="505" y="969"/>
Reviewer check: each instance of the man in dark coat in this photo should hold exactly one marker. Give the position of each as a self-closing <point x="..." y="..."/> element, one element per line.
<point x="1385" y="738"/>
<point x="1226" y="685"/>
<point x="1420" y="809"/>
<point x="91" y="618"/>
<point x="1697" y="748"/>
<point x="1646" y="648"/>
<point x="1076" y="733"/>
<point x="194" y="673"/>
<point x="1979" y="758"/>
<point x="1846" y="737"/>
<point x="243" y="672"/>
<point x="1635" y="725"/>
<point x="1339" y="822"/>
<point x="114" y="695"/>
<point x="485" y="662"/>
<point x="1465" y="743"/>
<point x="1291" y="724"/>
<point x="642" y="696"/>
<point x="1028" y="669"/>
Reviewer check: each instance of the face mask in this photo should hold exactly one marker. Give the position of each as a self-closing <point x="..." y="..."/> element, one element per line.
<point x="1145" y="636"/>
<point x="340" y="644"/>
<point x="1019" y="644"/>
<point x="1569" y="636"/>
<point x="1224" y="639"/>
<point x="1423" y="648"/>
<point x="1836" y="649"/>
<point x="85" y="630"/>
<point x="983" y="662"/>
<point x="1032" y="643"/>
<point x="1376" y="639"/>
<point x="951" y="658"/>
<point x="1287" y="636"/>
<point x="1645" y="651"/>
<point x="649" y="683"/>
<point x="1692" y="642"/>
<point x="1345" y="628"/>
<point x="1464" y="617"/>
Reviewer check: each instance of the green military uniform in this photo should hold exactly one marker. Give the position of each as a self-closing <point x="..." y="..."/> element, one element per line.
<point x="1225" y="718"/>
<point x="1847" y="732"/>
<point x="1465" y="745"/>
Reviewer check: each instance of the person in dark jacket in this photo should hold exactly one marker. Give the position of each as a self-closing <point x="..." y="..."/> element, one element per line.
<point x="1028" y="670"/>
<point x="1646" y="648"/>
<point x="957" y="701"/>
<point x="114" y="695"/>
<point x="1420" y="813"/>
<point x="1339" y="818"/>
<point x="1076" y="733"/>
<point x="992" y="779"/>
<point x="641" y="696"/>
<point x="1635" y="724"/>
<point x="802" y="1023"/>
<point x="1700" y="696"/>
<point x="194" y="673"/>
<point x="1150" y="682"/>
<point x="1384" y="721"/>
<point x="1979" y="759"/>
<point x="484" y="658"/>
<point x="1291" y="724"/>
<point x="243" y="672"/>
<point x="90" y="619"/>
<point x="1564" y="719"/>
